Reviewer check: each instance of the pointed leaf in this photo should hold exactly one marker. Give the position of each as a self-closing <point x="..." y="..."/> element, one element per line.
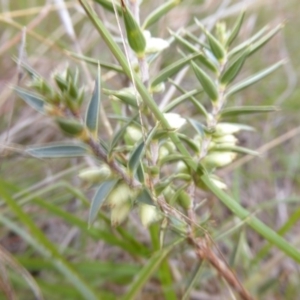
<point x="145" y="197"/>
<point x="101" y="194"/>
<point x="208" y="85"/>
<point x="242" y="110"/>
<point x="260" y="43"/>
<point x="34" y="101"/>
<point x="161" y="11"/>
<point x="236" y="29"/>
<point x="58" y="151"/>
<point x="248" y="42"/>
<point x="200" y="128"/>
<point x="190" y="47"/>
<point x="232" y="71"/>
<point x="92" y="114"/>
<point x="107" y="4"/>
<point x="215" y="46"/>
<point x="253" y="79"/>
<point x="172" y="69"/>
<point x="96" y="62"/>
<point x="136" y="157"/>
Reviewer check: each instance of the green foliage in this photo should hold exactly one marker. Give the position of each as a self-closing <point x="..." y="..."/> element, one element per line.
<point x="154" y="154"/>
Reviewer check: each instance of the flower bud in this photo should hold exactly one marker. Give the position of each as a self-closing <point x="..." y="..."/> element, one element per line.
<point x="120" y="194"/>
<point x="119" y="213"/>
<point x="184" y="200"/>
<point x="148" y="214"/>
<point x="154" y="45"/>
<point x="69" y="126"/>
<point x="133" y="134"/>
<point x="218" y="159"/>
<point x="230" y="128"/>
<point x="95" y="175"/>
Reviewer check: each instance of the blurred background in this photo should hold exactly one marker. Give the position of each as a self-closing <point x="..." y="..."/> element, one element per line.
<point x="267" y="185"/>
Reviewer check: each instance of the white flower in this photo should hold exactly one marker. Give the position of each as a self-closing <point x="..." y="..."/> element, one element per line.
<point x="154" y="45"/>
<point x="175" y="120"/>
<point x="219" y="159"/>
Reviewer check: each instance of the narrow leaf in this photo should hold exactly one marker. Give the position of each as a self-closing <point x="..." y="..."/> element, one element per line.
<point x="161" y="11"/>
<point x="107" y="4"/>
<point x="242" y="110"/>
<point x="58" y="151"/>
<point x="34" y="101"/>
<point x="253" y="79"/>
<point x="136" y="156"/>
<point x="208" y="85"/>
<point x="92" y="114"/>
<point x="200" y="128"/>
<point x="96" y="62"/>
<point x="236" y="29"/>
<point x="191" y="48"/>
<point x="215" y="46"/>
<point x="145" y="197"/>
<point x="232" y="71"/>
<point x="260" y="43"/>
<point x="172" y="69"/>
<point x="101" y="194"/>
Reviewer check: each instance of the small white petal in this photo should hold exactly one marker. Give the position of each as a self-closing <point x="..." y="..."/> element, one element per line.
<point x="175" y="120"/>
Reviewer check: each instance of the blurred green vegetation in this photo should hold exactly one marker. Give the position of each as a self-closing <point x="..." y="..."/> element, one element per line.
<point x="107" y="259"/>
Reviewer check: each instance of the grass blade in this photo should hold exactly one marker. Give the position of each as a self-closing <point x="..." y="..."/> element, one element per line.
<point x="47" y="248"/>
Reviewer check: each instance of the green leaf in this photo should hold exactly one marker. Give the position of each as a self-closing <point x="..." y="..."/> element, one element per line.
<point x="34" y="101"/>
<point x="200" y="128"/>
<point x="191" y="48"/>
<point x="248" y="42"/>
<point x="161" y="11"/>
<point x="257" y="45"/>
<point x="197" y="103"/>
<point x="136" y="157"/>
<point x="107" y="4"/>
<point x="96" y="62"/>
<point x="215" y="46"/>
<point x="242" y="110"/>
<point x="236" y="29"/>
<point x="58" y="150"/>
<point x="70" y="126"/>
<point x="145" y="197"/>
<point x="189" y="142"/>
<point x="208" y="85"/>
<point x="101" y="194"/>
<point x="92" y="113"/>
<point x="172" y="69"/>
<point x="253" y="79"/>
<point x="119" y="134"/>
<point x="125" y="95"/>
<point x="232" y="71"/>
